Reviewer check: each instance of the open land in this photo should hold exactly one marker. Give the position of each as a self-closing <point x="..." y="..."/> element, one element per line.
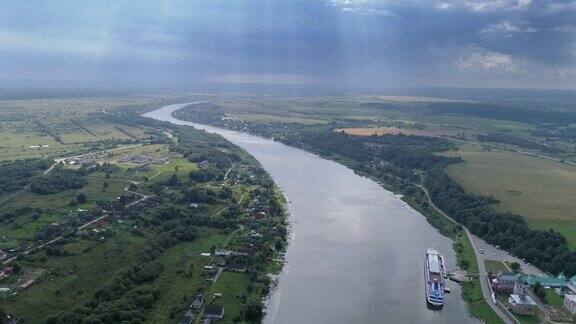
<point x="541" y="190"/>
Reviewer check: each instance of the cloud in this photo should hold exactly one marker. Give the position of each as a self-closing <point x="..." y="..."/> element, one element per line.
<point x="359" y="41"/>
<point x="368" y="11"/>
<point x="491" y="5"/>
<point x="362" y="7"/>
<point x="506" y="29"/>
<point x="481" y="60"/>
<point x="18" y="42"/>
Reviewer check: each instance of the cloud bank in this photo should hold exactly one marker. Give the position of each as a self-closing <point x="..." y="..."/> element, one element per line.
<point x="508" y="43"/>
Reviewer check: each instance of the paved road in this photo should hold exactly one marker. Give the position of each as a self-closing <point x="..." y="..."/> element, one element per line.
<point x="493" y="253"/>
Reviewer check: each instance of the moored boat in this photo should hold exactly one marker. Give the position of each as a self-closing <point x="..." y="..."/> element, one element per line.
<point x="434" y="272"/>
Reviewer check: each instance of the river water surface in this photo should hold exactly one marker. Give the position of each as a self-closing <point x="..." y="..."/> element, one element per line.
<point x="357" y="250"/>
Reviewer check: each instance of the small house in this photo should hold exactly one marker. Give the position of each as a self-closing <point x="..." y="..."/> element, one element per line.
<point x="187" y="318"/>
<point x="222" y="253"/>
<point x="520" y="302"/>
<point x="570" y="303"/>
<point x="504" y="283"/>
<point x="214" y="312"/>
<point x="197" y="302"/>
<point x="27" y="284"/>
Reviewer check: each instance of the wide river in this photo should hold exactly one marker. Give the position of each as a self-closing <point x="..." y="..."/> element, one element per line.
<point x="356" y="250"/>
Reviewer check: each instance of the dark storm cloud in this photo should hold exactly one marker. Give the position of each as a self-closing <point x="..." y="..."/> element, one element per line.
<point x="483" y="43"/>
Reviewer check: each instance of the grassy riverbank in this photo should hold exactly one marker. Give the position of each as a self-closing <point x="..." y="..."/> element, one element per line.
<point x="472" y="291"/>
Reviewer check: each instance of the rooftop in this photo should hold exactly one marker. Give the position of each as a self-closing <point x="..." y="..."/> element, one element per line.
<point x="525" y="300"/>
<point x="571" y="297"/>
<point x="213" y="310"/>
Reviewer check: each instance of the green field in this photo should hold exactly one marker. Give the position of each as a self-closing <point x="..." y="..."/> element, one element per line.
<point x="495" y="267"/>
<point x="539" y="189"/>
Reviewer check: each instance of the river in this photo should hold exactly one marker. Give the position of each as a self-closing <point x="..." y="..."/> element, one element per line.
<point x="356" y="250"/>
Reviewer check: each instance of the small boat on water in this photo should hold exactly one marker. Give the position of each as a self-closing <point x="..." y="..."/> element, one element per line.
<point x="434" y="272"/>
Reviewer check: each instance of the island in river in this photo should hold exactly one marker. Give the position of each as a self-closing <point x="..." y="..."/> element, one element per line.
<point x="356" y="251"/>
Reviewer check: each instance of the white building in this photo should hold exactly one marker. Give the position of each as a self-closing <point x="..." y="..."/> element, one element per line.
<point x="570" y="303"/>
<point x="520" y="302"/>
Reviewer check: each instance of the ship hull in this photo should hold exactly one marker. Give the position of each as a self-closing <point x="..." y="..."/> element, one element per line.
<point x="434" y="271"/>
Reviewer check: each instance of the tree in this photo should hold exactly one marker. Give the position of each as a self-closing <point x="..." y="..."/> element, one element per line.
<point x="81" y="198"/>
<point x="515" y="266"/>
<point x="539" y="290"/>
<point x="173" y="181"/>
<point x="464" y="264"/>
<point x="253" y="309"/>
<point x="105" y="185"/>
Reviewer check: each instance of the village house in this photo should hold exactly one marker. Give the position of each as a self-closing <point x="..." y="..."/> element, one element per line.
<point x="214" y="312"/>
<point x="520" y="302"/>
<point x="222" y="253"/>
<point x="197" y="303"/>
<point x="187" y="318"/>
<point x="570" y="303"/>
<point x="504" y="283"/>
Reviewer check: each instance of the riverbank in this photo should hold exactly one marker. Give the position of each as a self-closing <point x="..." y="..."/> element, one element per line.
<point x="414" y="194"/>
<point x="348" y="235"/>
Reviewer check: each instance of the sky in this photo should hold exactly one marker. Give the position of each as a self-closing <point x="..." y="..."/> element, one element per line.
<point x="353" y="43"/>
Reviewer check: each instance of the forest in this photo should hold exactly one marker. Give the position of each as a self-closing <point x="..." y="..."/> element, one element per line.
<point x="15" y="175"/>
<point x="58" y="180"/>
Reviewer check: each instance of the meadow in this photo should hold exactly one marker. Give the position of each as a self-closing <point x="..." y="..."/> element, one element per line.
<point x="541" y="190"/>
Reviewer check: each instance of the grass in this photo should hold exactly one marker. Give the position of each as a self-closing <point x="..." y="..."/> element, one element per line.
<point x="472" y="291"/>
<point x="176" y="284"/>
<point x="495" y="267"/>
<point x="541" y="190"/>
<point x="233" y="286"/>
<point x="72" y="280"/>
<point x="553" y="299"/>
<point x="534" y="187"/>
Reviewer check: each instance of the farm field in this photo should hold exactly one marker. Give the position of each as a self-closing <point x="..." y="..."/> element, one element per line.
<point x="60" y="127"/>
<point x="368" y="131"/>
<point x="541" y="190"/>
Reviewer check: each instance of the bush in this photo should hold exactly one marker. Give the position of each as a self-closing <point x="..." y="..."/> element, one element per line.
<point x="81" y="198"/>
